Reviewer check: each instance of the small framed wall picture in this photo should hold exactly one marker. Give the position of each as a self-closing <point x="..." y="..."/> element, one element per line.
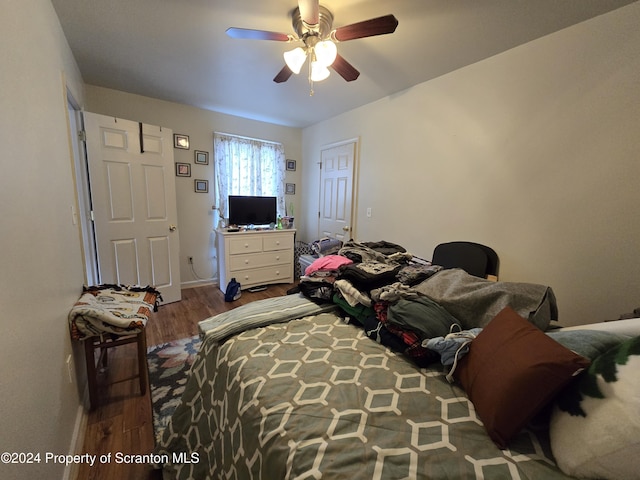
<point x="201" y="158"/>
<point x="291" y="165"/>
<point x="183" y="170"/>
<point x="201" y="186"/>
<point x="181" y="141"/>
<point x="290" y="189"/>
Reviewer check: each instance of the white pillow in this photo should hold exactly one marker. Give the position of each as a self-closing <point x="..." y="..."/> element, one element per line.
<point x="605" y="442"/>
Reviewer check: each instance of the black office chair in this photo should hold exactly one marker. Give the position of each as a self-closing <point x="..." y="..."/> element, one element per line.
<point x="474" y="258"/>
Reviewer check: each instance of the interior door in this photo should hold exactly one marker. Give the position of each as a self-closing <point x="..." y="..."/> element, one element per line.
<point x="82" y="186"/>
<point x="134" y="203"/>
<point x="337" y="191"/>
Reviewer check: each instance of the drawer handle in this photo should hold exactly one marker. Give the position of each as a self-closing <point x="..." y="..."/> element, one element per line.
<point x="246" y="261"/>
<point x="246" y="245"/>
<point x="277" y="257"/>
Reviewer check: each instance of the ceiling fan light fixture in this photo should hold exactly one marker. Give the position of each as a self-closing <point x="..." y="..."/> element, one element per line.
<point x="313" y="25"/>
<point x="295" y="59"/>
<point x="318" y="71"/>
<point x="326" y="52"/>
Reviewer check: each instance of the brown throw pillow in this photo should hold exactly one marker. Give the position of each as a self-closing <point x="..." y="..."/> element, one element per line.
<point x="512" y="370"/>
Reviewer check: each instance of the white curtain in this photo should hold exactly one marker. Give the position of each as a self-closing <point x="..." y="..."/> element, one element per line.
<point x="246" y="166"/>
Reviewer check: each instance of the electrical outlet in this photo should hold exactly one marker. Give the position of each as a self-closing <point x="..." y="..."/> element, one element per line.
<point x="74" y="215"/>
<point x="190" y="260"/>
<point x="70" y="368"/>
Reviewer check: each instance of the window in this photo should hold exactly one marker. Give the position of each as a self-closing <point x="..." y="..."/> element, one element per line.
<point x="248" y="166"/>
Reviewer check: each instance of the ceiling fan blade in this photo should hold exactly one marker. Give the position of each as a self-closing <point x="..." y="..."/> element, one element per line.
<point x="345" y="69"/>
<point x="283" y="75"/>
<point x="247" y="33"/>
<point x="367" y="28"/>
<point x="309" y="11"/>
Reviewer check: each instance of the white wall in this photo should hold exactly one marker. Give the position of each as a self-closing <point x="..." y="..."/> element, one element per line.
<point x="195" y="216"/>
<point x="41" y="273"/>
<point x="533" y="152"/>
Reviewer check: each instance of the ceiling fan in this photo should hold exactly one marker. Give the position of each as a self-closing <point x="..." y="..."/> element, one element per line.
<point x="313" y="26"/>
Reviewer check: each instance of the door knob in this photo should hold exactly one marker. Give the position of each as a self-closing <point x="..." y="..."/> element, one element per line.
<point x="172" y="228"/>
<point x="346" y="229"/>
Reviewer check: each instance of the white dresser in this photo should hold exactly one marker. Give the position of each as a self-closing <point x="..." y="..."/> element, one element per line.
<point x="255" y="258"/>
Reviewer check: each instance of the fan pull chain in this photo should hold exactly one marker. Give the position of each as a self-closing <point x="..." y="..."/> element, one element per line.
<point x="310" y="80"/>
<point x="311" y="92"/>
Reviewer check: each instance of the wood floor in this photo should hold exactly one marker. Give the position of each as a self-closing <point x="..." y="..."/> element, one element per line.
<point x="123" y="422"/>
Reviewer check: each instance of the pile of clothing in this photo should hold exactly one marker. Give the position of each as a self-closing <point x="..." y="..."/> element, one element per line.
<point x="415" y="308"/>
<point x="372" y="283"/>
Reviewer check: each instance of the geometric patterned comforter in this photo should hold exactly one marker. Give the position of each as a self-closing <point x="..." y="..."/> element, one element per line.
<point x="316" y="398"/>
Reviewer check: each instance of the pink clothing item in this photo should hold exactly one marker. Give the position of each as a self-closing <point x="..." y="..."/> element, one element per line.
<point x="328" y="262"/>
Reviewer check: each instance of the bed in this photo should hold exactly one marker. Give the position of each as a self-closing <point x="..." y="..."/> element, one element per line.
<point x="293" y="387"/>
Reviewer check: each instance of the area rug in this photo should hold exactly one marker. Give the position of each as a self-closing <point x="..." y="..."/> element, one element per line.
<point x="169" y="366"/>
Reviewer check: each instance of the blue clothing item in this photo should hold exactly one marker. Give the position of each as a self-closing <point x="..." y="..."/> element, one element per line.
<point x="452" y="347"/>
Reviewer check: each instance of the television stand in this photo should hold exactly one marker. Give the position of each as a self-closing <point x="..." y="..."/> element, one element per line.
<point x="255" y="257"/>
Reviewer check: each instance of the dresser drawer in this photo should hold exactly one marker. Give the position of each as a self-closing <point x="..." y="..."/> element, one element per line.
<point x="254" y="260"/>
<point x="277" y="242"/>
<point x="245" y="244"/>
<point x="265" y="275"/>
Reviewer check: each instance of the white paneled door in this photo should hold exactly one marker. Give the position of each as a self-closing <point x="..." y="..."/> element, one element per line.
<point x="337" y="191"/>
<point x="134" y="203"/>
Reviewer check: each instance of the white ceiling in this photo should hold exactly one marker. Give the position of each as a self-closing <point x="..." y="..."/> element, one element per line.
<point x="177" y="50"/>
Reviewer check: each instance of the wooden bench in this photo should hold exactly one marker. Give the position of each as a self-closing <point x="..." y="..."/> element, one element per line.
<point x="107" y="316"/>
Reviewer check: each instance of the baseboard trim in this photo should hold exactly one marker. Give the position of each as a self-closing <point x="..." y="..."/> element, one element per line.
<point x="77" y="442"/>
<point x="199" y="283"/>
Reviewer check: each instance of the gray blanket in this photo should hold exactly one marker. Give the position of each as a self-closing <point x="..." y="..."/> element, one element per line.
<point x="260" y="314"/>
<point x="475" y="301"/>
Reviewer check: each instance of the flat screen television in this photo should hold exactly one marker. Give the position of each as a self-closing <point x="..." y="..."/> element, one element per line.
<point x="250" y="210"/>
